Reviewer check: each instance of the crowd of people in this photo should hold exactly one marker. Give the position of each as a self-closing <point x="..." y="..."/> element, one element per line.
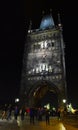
<point x="10" y="112"/>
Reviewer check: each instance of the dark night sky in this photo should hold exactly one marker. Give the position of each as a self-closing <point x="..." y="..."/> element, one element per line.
<point x="14" y="18"/>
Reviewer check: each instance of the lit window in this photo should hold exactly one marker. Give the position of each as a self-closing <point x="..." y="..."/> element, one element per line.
<point x="58" y="61"/>
<point x="37" y="70"/>
<point x="46" y="67"/>
<point x="33" y="70"/>
<point x="57" y="77"/>
<point x="43" y="66"/>
<point x="50" y="69"/>
<point x="53" y="77"/>
<point x="59" y="70"/>
<point x="42" y="45"/>
<point x="29" y="72"/>
<point x="45" y="44"/>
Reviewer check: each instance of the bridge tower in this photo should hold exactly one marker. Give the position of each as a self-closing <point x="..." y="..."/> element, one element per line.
<point x="44" y="64"/>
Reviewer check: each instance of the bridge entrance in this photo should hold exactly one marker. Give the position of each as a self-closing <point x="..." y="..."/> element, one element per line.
<point x="44" y="93"/>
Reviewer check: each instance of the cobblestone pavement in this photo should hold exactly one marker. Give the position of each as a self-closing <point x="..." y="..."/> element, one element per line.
<point x="55" y="124"/>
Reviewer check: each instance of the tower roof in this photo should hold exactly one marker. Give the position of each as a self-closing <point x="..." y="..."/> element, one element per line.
<point x="47" y="22"/>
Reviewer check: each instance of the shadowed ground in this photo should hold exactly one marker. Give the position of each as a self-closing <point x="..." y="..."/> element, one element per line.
<point x="55" y="124"/>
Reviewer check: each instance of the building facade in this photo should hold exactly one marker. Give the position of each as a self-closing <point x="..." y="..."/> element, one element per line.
<point x="43" y="64"/>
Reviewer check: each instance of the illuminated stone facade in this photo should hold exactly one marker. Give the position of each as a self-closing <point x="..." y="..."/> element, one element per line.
<point x="43" y="62"/>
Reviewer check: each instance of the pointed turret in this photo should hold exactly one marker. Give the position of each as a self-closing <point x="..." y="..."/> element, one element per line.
<point x="47" y="22"/>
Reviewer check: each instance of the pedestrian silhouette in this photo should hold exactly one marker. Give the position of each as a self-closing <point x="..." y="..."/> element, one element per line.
<point x="47" y="115"/>
<point x="31" y="115"/>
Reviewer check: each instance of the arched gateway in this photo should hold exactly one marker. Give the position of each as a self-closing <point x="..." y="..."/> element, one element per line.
<point x="43" y="73"/>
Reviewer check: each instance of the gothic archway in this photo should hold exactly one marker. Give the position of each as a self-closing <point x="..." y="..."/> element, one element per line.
<point x="44" y="92"/>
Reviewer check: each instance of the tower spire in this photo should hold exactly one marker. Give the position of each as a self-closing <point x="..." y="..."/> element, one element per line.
<point x="59" y="20"/>
<point x="30" y="26"/>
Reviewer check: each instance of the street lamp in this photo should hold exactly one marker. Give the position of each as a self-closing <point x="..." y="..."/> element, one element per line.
<point x="64" y="100"/>
<point x="16" y="100"/>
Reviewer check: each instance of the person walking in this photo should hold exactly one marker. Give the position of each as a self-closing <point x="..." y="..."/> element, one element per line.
<point x="9" y="111"/>
<point x="16" y="112"/>
<point x="22" y="113"/>
<point x="47" y="115"/>
<point x="31" y="115"/>
<point x="4" y="112"/>
<point x="58" y="113"/>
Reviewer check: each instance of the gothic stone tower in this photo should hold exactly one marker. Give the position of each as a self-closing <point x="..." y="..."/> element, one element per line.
<point x="43" y="64"/>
